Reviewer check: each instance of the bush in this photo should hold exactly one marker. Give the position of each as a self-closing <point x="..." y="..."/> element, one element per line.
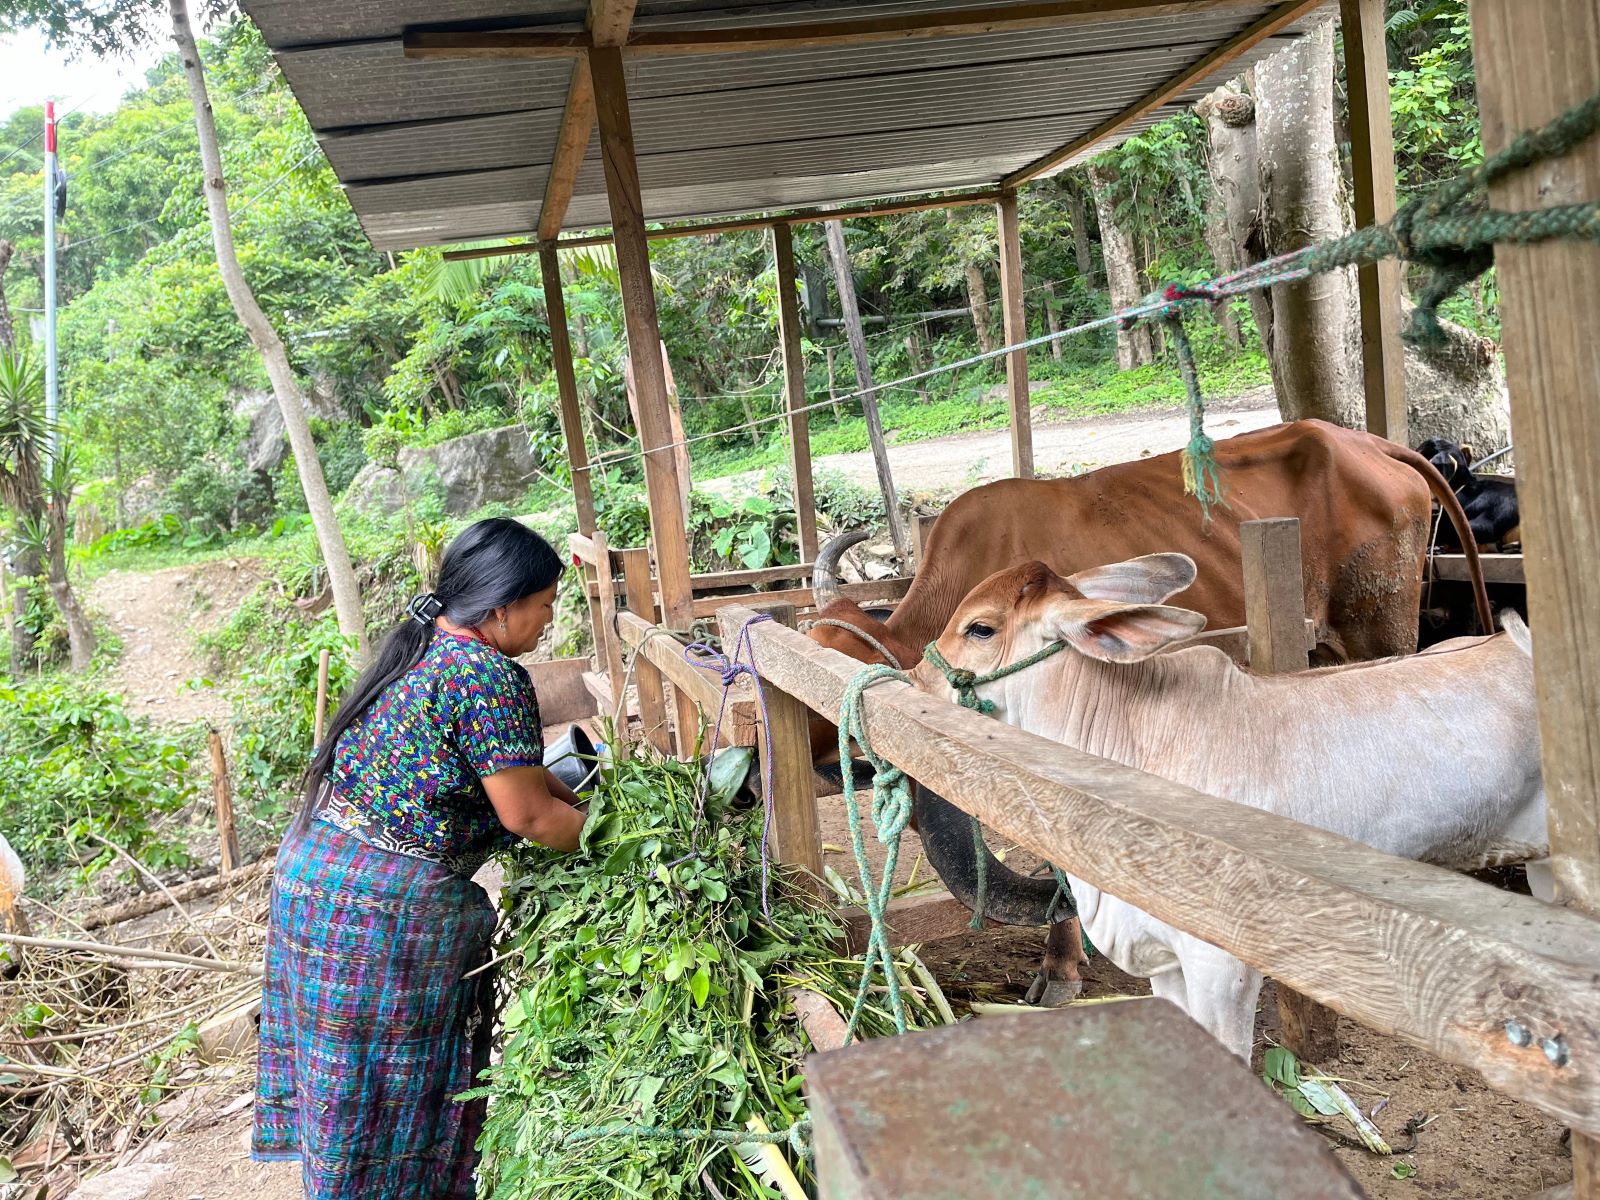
<point x="72" y="763"/>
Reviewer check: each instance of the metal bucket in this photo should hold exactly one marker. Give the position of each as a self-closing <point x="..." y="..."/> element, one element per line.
<point x="574" y="759"/>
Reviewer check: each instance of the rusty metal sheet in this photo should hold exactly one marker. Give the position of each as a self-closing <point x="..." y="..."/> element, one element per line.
<point x="1130" y="1101"/>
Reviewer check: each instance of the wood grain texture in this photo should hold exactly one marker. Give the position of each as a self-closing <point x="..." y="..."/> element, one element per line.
<point x="222" y="798"/>
<point x="1383" y="367"/>
<point x="1274" y="595"/>
<point x="1274" y="22"/>
<point x="646" y="675"/>
<point x="1536" y="58"/>
<point x="607" y="645"/>
<point x="794" y="391"/>
<point x="1407" y="949"/>
<point x="1497" y="568"/>
<point x="572" y="144"/>
<point x="883" y="589"/>
<point x="571" y="413"/>
<point x="796" y="831"/>
<point x="610" y="20"/>
<point x="1015" y="319"/>
<point x="693" y="686"/>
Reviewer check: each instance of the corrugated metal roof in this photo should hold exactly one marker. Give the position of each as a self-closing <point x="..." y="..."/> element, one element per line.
<point x="438" y="150"/>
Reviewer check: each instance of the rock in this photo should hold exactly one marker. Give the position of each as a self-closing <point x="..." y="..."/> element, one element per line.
<point x="132" y="1182"/>
<point x="265" y="445"/>
<point x="231" y="1032"/>
<point x="496" y="465"/>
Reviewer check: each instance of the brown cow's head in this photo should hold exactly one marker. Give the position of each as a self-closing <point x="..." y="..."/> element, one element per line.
<point x="1112" y="613"/>
<point x="855" y="626"/>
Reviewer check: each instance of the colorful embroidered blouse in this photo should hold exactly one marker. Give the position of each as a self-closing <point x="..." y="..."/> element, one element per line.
<point x="407" y="776"/>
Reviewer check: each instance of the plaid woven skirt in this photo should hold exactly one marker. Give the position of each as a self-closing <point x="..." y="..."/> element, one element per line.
<point x="368" y="1029"/>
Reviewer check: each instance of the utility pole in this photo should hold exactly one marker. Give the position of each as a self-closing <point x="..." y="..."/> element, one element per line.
<point x="51" y="391"/>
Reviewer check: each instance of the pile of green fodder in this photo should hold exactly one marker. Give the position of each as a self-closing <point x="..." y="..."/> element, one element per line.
<point x="645" y="991"/>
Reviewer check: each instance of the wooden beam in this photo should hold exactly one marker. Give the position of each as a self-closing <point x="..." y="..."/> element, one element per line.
<point x="610" y="20"/>
<point x="693" y="685"/>
<point x="1274" y="22"/>
<point x="793" y="216"/>
<point x="940" y="23"/>
<point x="794" y="390"/>
<point x="1497" y="568"/>
<point x="1383" y="367"/>
<point x="644" y="352"/>
<point x="555" y="304"/>
<point x="1016" y="330"/>
<point x="912" y="920"/>
<point x="795" y="829"/>
<point x="1434" y="958"/>
<point x="572" y="144"/>
<point x="883" y="589"/>
<point x="646" y="675"/>
<point x="607" y="646"/>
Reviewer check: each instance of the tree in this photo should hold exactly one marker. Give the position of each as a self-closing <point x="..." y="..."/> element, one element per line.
<point x="1135" y="347"/>
<point x="105" y="29"/>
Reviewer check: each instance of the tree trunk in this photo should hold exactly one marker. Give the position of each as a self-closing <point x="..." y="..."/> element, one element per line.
<point x="869" y="401"/>
<point x="8" y="332"/>
<point x="1300" y="175"/>
<point x="1458" y="392"/>
<point x="1223" y="252"/>
<point x="833" y="391"/>
<point x="1052" y="321"/>
<point x="1230" y="117"/>
<point x="1080" y="232"/>
<point x="978" y="302"/>
<point x="25" y="572"/>
<point x="335" y="555"/>
<point x="1135" y="348"/>
<point x="80" y="633"/>
<point x="914" y="361"/>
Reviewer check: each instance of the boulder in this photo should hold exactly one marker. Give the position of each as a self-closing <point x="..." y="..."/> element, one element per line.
<point x="497" y="465"/>
<point x="265" y="444"/>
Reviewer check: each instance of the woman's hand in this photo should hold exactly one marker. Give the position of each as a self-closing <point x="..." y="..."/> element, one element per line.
<point x="534" y="804"/>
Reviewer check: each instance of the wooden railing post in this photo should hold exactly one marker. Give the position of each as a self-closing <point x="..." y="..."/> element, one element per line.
<point x="607" y="649"/>
<point x="652" y="692"/>
<point x="1275" y="616"/>
<point x="794" y="392"/>
<point x="794" y="800"/>
<point x="1016" y="330"/>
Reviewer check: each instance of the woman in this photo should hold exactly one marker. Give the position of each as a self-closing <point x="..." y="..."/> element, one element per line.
<point x="372" y="1021"/>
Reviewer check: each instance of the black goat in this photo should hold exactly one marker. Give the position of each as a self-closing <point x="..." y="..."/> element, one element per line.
<point x="1490" y="503"/>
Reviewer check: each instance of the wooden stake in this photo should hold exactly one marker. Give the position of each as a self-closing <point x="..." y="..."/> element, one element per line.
<point x="652" y="692"/>
<point x="1535" y="59"/>
<point x="1016" y="330"/>
<point x="320" y="721"/>
<point x="222" y="796"/>
<point x="794" y="391"/>
<point x="1383" y="365"/>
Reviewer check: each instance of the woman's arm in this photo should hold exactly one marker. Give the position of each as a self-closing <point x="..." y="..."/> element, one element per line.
<point x="533" y="804"/>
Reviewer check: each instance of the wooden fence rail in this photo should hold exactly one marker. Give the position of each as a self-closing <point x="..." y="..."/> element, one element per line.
<point x="1431" y="957"/>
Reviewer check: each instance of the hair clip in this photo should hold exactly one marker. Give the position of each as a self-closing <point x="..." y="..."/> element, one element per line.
<point x="424" y="608"/>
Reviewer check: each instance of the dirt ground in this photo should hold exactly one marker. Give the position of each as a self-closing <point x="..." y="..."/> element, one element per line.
<point x="1478" y="1144"/>
<point x="158" y="615"/>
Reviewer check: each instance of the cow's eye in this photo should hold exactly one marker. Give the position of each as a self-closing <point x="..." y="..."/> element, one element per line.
<point x="980" y="631"/>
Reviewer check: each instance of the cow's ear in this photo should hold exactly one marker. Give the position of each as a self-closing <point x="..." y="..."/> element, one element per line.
<point x="1466" y="453"/>
<point x="1122" y="633"/>
<point x="1147" y="580"/>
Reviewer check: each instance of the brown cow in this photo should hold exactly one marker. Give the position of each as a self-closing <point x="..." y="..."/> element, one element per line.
<point x="1364" y="506"/>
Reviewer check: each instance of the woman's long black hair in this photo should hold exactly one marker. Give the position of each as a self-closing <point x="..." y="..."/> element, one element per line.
<point x="490" y="564"/>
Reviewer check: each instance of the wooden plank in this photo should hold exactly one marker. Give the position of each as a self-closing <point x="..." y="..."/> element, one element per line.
<point x="1274" y="22"/>
<point x="559" y="685"/>
<point x="794" y="390"/>
<point x="1274" y="594"/>
<point x="1534" y="60"/>
<point x="607" y="645"/>
<point x="652" y="692"/>
<point x="1437" y="959"/>
<point x="793" y="216"/>
<point x="567" y="389"/>
<point x="668" y="535"/>
<point x="884" y="589"/>
<point x="222" y="797"/>
<point x="582" y="547"/>
<point x="1016" y="330"/>
<point x="912" y="920"/>
<point x="729" y="579"/>
<point x="921" y="530"/>
<point x="795" y="828"/>
<point x="957" y="22"/>
<point x="605" y="700"/>
<point x="1497" y="568"/>
<point x="693" y="686"/>
<point x="1275" y="616"/>
<point x="1383" y="367"/>
<point x="610" y="20"/>
<point x="572" y="144"/>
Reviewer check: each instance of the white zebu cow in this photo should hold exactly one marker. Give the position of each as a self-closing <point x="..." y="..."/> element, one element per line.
<point x="1431" y="756"/>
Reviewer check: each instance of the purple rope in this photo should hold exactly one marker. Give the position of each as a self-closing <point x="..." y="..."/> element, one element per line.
<point x="708" y="657"/>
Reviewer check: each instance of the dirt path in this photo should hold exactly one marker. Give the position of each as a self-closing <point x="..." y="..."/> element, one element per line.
<point x="964" y="460"/>
<point x="158" y="615"/>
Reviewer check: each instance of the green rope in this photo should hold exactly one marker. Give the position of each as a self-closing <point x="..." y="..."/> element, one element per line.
<point x="1201" y="477"/>
<point x="797" y="1137"/>
<point x="967" y="683"/>
<point x="891" y="814"/>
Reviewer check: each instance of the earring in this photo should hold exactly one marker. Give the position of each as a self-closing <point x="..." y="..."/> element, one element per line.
<point x="502" y="624"/>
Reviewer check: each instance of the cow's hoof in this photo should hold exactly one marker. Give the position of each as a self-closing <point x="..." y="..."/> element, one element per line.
<point x="1045" y="992"/>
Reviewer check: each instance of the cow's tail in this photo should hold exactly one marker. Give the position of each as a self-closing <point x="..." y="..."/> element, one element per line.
<point x="1511" y="621"/>
<point x="1452" y="508"/>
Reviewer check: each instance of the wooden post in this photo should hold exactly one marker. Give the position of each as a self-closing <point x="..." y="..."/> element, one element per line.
<point x="607" y="646"/>
<point x="921" y="530"/>
<point x="1275" y="617"/>
<point x="652" y="691"/>
<point x="222" y="796"/>
<point x="1383" y="367"/>
<point x="794" y="391"/>
<point x="794" y="799"/>
<point x="1016" y="330"/>
<point x="1534" y="60"/>
<point x="644" y="353"/>
<point x="320" y="720"/>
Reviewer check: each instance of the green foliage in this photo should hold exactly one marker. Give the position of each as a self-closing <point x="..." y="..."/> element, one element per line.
<point x="646" y="988"/>
<point x="73" y="762"/>
<point x="757" y="529"/>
